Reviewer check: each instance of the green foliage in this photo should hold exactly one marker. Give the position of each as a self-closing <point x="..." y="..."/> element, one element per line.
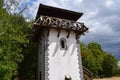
<point x="28" y="67"/>
<point x="1" y="3"/>
<point x="110" y="65"/>
<point x="118" y="72"/>
<point x="98" y="61"/>
<point x="13" y="33"/>
<point x="91" y="64"/>
<point x="84" y="51"/>
<point x="17" y="52"/>
<point x="92" y="55"/>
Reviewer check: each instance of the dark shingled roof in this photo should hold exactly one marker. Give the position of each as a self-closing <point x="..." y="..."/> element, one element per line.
<point x="57" y="12"/>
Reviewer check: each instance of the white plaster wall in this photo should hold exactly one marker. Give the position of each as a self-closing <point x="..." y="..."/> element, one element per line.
<point x="62" y="62"/>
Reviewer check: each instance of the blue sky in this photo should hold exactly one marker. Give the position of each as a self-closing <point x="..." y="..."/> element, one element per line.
<point x="101" y="16"/>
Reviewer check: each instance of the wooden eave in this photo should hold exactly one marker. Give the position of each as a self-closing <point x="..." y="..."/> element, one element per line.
<point x="57" y="12"/>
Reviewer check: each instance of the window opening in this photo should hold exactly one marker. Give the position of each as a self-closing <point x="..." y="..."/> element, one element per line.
<point x="63" y="43"/>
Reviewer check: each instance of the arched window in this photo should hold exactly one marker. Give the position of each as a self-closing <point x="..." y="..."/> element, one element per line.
<point x="63" y="43"/>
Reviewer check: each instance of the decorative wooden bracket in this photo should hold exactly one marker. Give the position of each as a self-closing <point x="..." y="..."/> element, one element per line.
<point x="59" y="24"/>
<point x="58" y="32"/>
<point x="68" y="34"/>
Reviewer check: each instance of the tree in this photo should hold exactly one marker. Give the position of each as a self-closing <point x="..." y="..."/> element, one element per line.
<point x="13" y="33"/>
<point x="11" y="39"/>
<point x="28" y="67"/>
<point x="85" y="52"/>
<point x="110" y="65"/>
<point x="1" y="3"/>
<point x="92" y="57"/>
<point x="92" y="64"/>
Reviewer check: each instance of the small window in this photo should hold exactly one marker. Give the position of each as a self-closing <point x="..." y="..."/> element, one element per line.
<point x="63" y="43"/>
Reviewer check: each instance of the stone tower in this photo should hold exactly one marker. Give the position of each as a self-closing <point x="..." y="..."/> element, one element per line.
<point x="57" y="35"/>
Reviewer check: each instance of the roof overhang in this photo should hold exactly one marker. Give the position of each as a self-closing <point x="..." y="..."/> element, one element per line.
<point x="57" y="12"/>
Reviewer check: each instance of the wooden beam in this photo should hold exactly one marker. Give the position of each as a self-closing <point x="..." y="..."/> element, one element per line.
<point x="58" y="32"/>
<point x="68" y="34"/>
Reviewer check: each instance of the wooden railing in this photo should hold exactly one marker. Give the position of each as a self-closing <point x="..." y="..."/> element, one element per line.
<point x="87" y="74"/>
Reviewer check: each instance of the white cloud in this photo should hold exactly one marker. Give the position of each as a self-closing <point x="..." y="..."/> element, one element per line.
<point x="92" y="14"/>
<point x="78" y="1"/>
<point x="52" y="3"/>
<point x="108" y="3"/>
<point x="101" y="29"/>
<point x="63" y="1"/>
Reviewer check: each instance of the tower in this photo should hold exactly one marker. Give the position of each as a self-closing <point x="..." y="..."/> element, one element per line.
<point x="57" y="35"/>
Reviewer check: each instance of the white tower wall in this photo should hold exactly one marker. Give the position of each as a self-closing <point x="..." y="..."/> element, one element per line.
<point x="62" y="62"/>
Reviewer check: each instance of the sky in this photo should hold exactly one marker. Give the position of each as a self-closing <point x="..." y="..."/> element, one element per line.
<point x="102" y="17"/>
